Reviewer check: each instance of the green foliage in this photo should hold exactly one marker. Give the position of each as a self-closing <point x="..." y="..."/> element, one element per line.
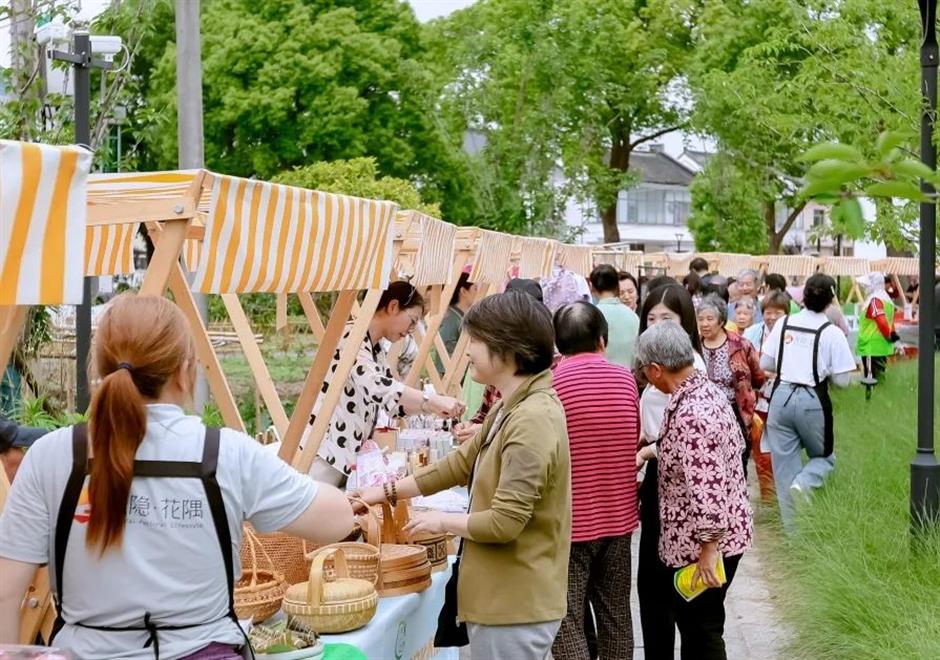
<point x="557" y="85"/>
<point x="34" y="412"/>
<point x="774" y="78"/>
<point x="358" y="177"/>
<point x="850" y="581"/>
<point x="727" y="214"/>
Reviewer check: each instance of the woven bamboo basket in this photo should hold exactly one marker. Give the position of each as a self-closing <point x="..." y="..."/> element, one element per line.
<point x="287" y="553"/>
<point x="331" y="607"/>
<point x="436" y="544"/>
<point x="260" y="590"/>
<point x="403" y="568"/>
<point x="361" y="558"/>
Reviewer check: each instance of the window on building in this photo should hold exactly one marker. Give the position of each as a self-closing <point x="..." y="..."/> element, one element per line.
<point x="819" y="217"/>
<point x="653" y="206"/>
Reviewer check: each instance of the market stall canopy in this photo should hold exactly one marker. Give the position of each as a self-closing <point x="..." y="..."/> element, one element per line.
<point x="536" y="256"/>
<point x="43" y="207"/>
<point x="576" y="258"/>
<point x="266" y="237"/>
<point x="494" y="251"/>
<point x="429" y="245"/>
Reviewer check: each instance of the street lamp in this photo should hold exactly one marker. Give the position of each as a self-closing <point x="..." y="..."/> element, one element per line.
<point x="925" y="471"/>
<point x="678" y="236"/>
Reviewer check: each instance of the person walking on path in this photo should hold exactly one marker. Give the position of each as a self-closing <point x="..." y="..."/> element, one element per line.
<point x="705" y="516"/>
<point x="668" y="302"/>
<point x="806" y="352"/>
<point x="622" y="323"/>
<point x="602" y="411"/>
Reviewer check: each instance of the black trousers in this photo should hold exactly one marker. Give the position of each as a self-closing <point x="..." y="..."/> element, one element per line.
<point x="701" y="622"/>
<point x="656" y="606"/>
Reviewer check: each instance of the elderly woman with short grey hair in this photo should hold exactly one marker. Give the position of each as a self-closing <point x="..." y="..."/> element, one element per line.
<point x="705" y="516"/>
<point x="747" y="282"/>
<point x="732" y="362"/>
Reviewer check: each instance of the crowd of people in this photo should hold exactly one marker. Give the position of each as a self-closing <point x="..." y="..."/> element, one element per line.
<point x="610" y="407"/>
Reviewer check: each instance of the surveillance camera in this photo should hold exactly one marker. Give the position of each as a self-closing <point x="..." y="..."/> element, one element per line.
<point x="106" y="46"/>
<point x="51" y="33"/>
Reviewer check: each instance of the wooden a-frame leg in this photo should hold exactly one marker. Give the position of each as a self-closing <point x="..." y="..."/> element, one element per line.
<point x="347" y="360"/>
<point x="12" y="322"/>
<point x="312" y="314"/>
<point x="316" y="375"/>
<point x="256" y="362"/>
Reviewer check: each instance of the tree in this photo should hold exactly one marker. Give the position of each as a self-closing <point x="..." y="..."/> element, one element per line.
<point x="727" y="213"/>
<point x="358" y="177"/>
<point x="774" y="77"/>
<point x="557" y="87"/>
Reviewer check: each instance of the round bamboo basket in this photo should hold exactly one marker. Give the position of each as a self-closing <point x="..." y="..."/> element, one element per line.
<point x="339" y="606"/>
<point x="259" y="591"/>
<point x="361" y="558"/>
<point x="403" y="568"/>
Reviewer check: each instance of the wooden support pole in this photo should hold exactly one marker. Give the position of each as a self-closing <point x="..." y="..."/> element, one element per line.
<point x="316" y="375"/>
<point x="312" y="314"/>
<point x="459" y="361"/>
<point x="256" y="362"/>
<point x="348" y="356"/>
<point x="204" y="352"/>
<point x="442" y="352"/>
<point x="434" y="323"/>
<point x="280" y="313"/>
<point x="12" y="322"/>
<point x="168" y="245"/>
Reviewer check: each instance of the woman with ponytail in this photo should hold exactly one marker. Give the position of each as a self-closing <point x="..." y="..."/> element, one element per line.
<point x="139" y="515"/>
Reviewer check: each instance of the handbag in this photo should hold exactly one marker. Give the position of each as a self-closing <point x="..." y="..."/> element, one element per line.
<point x="450" y="631"/>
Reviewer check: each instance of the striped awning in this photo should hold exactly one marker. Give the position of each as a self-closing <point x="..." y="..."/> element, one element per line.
<point x="577" y="258"/>
<point x="845" y="266"/>
<point x="730" y="264"/>
<point x="491" y="263"/>
<point x="905" y="266"/>
<point x="435" y="254"/>
<point x="791" y="265"/>
<point x="142" y="196"/>
<point x="266" y="237"/>
<point x="43" y="197"/>
<point x="536" y="257"/>
<point x="109" y="249"/>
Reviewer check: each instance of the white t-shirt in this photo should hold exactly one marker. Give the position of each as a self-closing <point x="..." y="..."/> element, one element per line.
<point x="170" y="562"/>
<point x="835" y="356"/>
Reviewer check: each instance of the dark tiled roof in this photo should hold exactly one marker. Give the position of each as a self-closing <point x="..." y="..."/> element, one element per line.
<point x="657" y="167"/>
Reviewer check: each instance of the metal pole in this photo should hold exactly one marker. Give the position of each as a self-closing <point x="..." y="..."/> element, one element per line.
<point x="190" y="139"/>
<point x="925" y="471"/>
<point x="81" y="46"/>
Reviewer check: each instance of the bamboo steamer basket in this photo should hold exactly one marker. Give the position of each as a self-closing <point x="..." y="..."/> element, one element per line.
<point x="362" y="559"/>
<point x="258" y="595"/>
<point x="403" y="568"/>
<point x="339" y="606"/>
<point x="437" y="545"/>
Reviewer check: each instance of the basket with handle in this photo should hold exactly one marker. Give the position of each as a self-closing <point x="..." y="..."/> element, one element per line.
<point x="403" y="568"/>
<point x="362" y="559"/>
<point x="260" y="590"/>
<point x="336" y="606"/>
<point x="287" y="553"/>
<point x="393" y="527"/>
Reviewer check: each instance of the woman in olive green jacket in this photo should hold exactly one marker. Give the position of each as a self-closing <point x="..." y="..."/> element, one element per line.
<point x="512" y="588"/>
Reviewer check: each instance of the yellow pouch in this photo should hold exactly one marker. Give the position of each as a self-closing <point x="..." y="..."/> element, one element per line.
<point x="683" y="580"/>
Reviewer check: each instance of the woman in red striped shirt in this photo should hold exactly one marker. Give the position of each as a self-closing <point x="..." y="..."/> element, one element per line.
<point x="602" y="410"/>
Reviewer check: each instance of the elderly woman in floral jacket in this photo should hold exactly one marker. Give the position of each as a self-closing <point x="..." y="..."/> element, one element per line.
<point x="705" y="515"/>
<point x="732" y="363"/>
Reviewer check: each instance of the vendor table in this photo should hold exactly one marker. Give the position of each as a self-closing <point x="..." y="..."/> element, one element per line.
<point x="403" y="627"/>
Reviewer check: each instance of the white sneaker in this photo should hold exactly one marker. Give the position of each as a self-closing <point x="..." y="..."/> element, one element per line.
<point x="799" y="495"/>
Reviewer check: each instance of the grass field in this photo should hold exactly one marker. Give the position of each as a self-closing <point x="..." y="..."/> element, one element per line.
<point x="851" y="582"/>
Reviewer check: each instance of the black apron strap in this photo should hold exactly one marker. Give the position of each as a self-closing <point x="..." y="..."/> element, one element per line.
<point x="783" y="343"/>
<point x="67" y="508"/>
<point x="816" y="341"/>
<point x="822" y="393"/>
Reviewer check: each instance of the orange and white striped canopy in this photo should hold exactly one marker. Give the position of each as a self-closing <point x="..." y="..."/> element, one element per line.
<point x="906" y="266"/>
<point x="576" y="258"/>
<point x="435" y="256"/>
<point x="491" y="263"/>
<point x="125" y="196"/>
<point x="845" y="266"/>
<point x="731" y="264"/>
<point x="109" y="249"/>
<point x="42" y="223"/>
<point x="791" y="265"/>
<point x="536" y="257"/>
<point x="266" y="237"/>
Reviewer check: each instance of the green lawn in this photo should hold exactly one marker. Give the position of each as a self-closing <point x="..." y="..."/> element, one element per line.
<point x="849" y="580"/>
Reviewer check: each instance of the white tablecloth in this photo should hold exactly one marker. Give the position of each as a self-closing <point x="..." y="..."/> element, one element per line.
<point x="402" y="625"/>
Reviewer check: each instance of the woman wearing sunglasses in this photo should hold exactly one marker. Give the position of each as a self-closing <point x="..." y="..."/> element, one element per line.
<point x="371" y="387"/>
